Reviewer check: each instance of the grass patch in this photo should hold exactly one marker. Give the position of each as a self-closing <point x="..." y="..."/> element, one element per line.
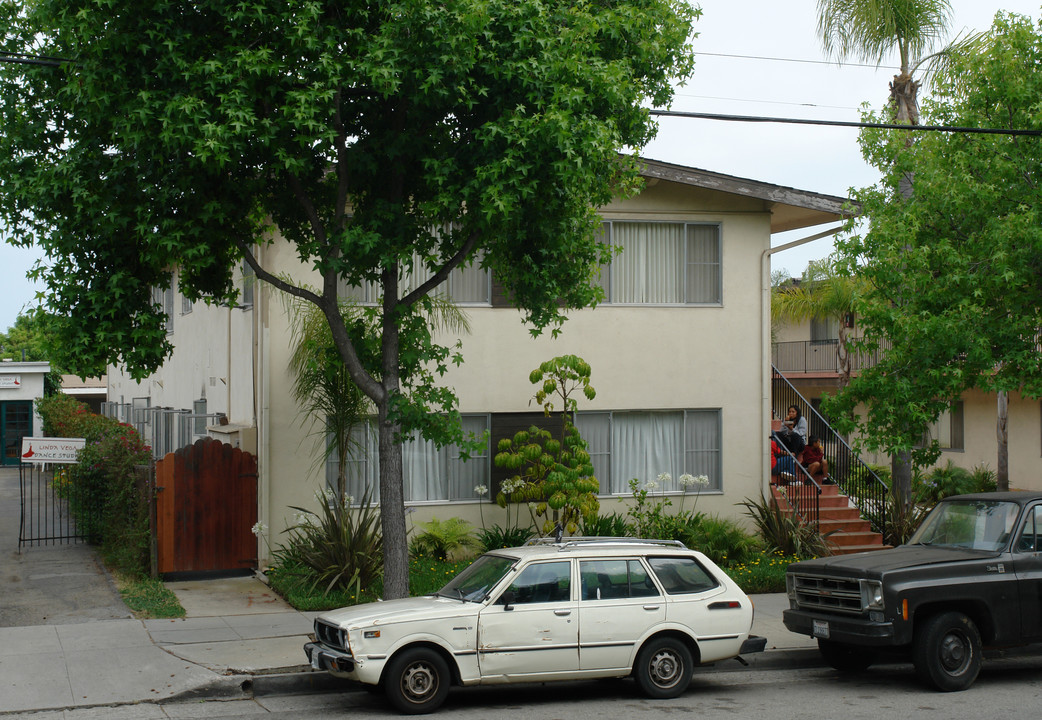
<point x="147" y="597"/>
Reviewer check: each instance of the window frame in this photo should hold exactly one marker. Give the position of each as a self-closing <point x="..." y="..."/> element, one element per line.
<point x="609" y="272"/>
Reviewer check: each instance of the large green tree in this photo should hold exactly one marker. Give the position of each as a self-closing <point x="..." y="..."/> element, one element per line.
<point x="955" y="271"/>
<point x="375" y="137"/>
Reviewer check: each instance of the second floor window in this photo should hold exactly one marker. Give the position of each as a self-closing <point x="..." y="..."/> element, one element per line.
<point x="663" y="263"/>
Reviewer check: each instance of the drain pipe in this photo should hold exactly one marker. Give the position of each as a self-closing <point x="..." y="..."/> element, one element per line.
<point x="765" y="337"/>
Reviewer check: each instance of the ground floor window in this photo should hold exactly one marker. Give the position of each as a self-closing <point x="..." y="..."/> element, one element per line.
<point x="623" y="445"/>
<point x="430" y="473"/>
<point x="628" y="444"/>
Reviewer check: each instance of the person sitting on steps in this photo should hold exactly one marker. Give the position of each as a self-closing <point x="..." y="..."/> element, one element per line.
<point x="814" y="460"/>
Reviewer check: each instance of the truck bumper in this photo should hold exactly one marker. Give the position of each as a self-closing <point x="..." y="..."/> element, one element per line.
<point x="853" y="631"/>
<point x="323" y="657"/>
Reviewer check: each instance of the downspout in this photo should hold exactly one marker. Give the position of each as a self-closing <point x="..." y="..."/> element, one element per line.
<point x="765" y="340"/>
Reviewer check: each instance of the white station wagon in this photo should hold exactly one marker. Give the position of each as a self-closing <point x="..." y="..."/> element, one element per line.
<point x="578" y="609"/>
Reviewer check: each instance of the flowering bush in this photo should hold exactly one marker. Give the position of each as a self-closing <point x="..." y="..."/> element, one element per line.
<point x="108" y="503"/>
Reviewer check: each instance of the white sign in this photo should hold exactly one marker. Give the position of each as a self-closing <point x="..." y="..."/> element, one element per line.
<point x="10" y="381"/>
<point x="51" y="450"/>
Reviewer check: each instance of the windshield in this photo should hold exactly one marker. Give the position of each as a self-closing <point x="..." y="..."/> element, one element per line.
<point x="481" y="576"/>
<point x="968" y="524"/>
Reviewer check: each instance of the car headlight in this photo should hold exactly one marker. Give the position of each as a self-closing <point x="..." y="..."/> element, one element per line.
<point x="872" y="595"/>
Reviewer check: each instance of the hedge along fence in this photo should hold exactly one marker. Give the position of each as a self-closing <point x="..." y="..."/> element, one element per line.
<point x="105" y="478"/>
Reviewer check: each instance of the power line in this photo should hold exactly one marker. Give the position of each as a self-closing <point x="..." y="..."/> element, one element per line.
<point x="844" y="123"/>
<point x="796" y="60"/>
<point x="27" y="59"/>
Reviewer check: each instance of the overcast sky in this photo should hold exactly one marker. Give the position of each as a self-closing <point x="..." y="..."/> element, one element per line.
<point x="825" y="160"/>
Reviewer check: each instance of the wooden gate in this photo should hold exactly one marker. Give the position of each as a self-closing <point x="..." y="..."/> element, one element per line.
<point x="206" y="507"/>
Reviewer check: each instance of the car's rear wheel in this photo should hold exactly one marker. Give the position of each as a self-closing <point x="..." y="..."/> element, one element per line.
<point x="947" y="651"/>
<point x="664" y="667"/>
<point x="846" y="658"/>
<point x="417" y="681"/>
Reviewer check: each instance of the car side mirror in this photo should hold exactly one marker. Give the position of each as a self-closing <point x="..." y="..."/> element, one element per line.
<point x="508" y="598"/>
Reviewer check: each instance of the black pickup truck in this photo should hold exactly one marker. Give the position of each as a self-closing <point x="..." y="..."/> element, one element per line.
<point x="969" y="578"/>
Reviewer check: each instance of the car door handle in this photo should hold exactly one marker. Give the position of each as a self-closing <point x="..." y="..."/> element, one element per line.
<point x="562" y="613"/>
<point x="652" y="607"/>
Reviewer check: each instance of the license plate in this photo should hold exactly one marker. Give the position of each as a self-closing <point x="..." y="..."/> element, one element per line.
<point x="821" y="629"/>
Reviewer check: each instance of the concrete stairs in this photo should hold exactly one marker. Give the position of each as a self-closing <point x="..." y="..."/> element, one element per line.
<point x="839" y="520"/>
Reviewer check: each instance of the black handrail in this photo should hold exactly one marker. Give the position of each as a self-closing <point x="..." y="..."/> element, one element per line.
<point x="801" y="491"/>
<point x="854" y="478"/>
<point x="820" y="356"/>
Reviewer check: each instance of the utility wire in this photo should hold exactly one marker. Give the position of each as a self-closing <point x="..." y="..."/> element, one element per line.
<point x="795" y="60"/>
<point x="844" y="123"/>
<point x="26" y="59"/>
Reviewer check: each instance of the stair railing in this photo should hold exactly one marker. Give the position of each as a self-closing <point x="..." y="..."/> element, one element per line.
<point x="801" y="491"/>
<point x="855" y="478"/>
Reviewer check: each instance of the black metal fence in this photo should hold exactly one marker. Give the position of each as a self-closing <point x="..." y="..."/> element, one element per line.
<point x="856" y="479"/>
<point x="819" y="356"/>
<point x="48" y="501"/>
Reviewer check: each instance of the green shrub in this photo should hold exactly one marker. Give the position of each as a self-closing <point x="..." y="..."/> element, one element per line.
<point x="761" y="572"/>
<point x="336" y="548"/>
<point x="943" y="482"/>
<point x="497" y="537"/>
<point x="453" y="539"/>
<point x="724" y="541"/>
<point x="613" y="525"/>
<point x="783" y="532"/>
<point x="983" y="479"/>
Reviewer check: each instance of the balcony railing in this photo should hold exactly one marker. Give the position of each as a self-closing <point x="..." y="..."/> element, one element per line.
<point x="818" y="356"/>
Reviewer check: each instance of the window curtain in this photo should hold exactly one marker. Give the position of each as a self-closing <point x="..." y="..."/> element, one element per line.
<point x="595" y="429"/>
<point x="645" y="445"/>
<point x="703" y="453"/>
<point x="703" y="264"/>
<point x="649" y="267"/>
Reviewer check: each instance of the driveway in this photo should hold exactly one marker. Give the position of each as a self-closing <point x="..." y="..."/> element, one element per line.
<point x="51" y="584"/>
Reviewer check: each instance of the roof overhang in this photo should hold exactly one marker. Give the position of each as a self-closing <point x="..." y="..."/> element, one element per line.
<point x="791" y="209"/>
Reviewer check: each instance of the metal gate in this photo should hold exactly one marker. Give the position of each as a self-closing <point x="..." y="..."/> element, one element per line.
<point x="48" y="499"/>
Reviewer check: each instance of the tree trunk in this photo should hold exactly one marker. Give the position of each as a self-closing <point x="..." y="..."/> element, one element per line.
<point x="843" y="354"/>
<point x="901" y="471"/>
<point x="904" y="93"/>
<point x="1001" y="432"/>
<point x="392" y="485"/>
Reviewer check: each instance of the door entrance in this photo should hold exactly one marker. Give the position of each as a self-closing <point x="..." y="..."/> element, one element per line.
<point x="16" y="422"/>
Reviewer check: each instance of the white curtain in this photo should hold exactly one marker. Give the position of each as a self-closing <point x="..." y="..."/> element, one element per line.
<point x="703" y="456"/>
<point x="645" y="445"/>
<point x="703" y="264"/>
<point x="595" y="429"/>
<point x="649" y="268"/>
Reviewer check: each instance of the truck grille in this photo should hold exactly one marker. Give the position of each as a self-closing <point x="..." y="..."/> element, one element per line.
<point x="330" y="635"/>
<point x="830" y="594"/>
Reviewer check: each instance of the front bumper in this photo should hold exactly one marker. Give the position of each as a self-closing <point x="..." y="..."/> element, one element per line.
<point x="323" y="657"/>
<point x="849" y="630"/>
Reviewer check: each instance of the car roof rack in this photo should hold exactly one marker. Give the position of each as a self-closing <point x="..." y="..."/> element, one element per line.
<point x="580" y="540"/>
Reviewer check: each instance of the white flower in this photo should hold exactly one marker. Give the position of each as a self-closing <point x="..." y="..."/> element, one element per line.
<point x="480" y="490"/>
<point x="259" y="529"/>
<point x="686" y="480"/>
<point x="665" y="478"/>
<point x="651" y="484"/>
<point x="512" y="486"/>
<point x="702" y="480"/>
<point x="304" y="518"/>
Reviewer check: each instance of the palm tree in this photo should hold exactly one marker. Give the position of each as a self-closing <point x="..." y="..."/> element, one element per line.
<point x="823" y="294"/>
<point x="328" y="399"/>
<point x="872" y="30"/>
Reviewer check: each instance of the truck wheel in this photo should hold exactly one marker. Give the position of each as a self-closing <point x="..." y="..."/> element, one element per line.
<point x="846" y="658"/>
<point x="416" y="681"/>
<point x="664" y="668"/>
<point x="947" y="651"/>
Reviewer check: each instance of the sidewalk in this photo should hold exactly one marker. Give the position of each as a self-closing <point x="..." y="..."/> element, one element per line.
<point x="239" y="639"/>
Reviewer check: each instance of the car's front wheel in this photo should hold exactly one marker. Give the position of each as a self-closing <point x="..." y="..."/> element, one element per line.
<point x="664" y="667"/>
<point x="417" y="681"/>
<point x="846" y="658"/>
<point x="947" y="651"/>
